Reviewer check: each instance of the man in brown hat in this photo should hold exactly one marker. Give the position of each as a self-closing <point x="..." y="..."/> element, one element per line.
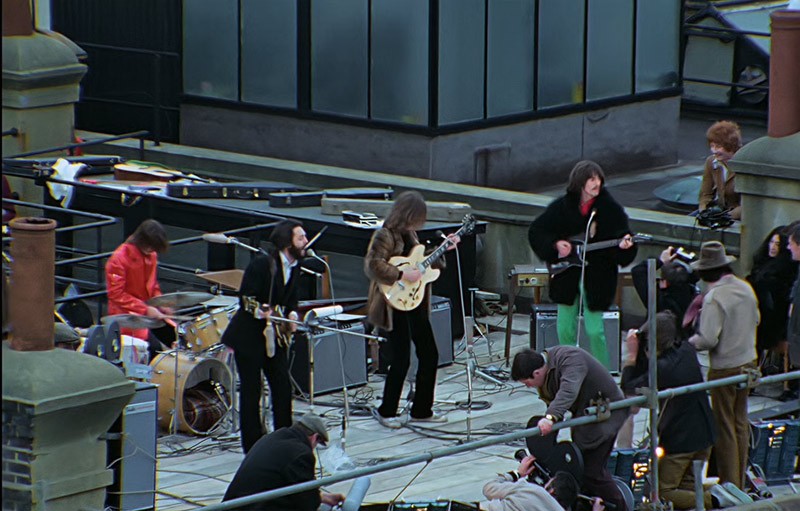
<point x="727" y="329"/>
<point x="283" y="458"/>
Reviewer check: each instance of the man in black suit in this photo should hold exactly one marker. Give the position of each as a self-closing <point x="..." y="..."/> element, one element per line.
<point x="686" y="429"/>
<point x="268" y="287"/>
<point x="283" y="458"/>
<point x="568" y="378"/>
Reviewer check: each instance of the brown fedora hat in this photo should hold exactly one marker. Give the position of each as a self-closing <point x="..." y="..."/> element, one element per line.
<point x="712" y="255"/>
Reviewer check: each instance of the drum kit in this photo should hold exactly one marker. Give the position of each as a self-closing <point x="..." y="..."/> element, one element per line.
<point x="195" y="378"/>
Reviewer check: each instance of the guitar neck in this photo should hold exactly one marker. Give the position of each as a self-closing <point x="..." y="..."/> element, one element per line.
<point x="428" y="261"/>
<point x="599" y="245"/>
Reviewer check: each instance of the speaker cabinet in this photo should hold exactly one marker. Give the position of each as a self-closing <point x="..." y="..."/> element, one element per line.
<point x="328" y="360"/>
<point x="132" y="452"/>
<point x="544" y="334"/>
<point x="442" y="332"/>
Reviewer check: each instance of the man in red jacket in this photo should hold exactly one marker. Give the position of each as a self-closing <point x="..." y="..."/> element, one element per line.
<point x="131" y="278"/>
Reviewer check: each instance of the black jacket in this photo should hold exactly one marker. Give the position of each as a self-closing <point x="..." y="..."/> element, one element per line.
<point x="562" y="220"/>
<point x="245" y="332"/>
<point x="686" y="423"/>
<point x="772" y="279"/>
<point x="675" y="298"/>
<point x="277" y="460"/>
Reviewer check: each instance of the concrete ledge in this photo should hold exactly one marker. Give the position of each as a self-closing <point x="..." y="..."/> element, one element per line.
<point x="510" y="212"/>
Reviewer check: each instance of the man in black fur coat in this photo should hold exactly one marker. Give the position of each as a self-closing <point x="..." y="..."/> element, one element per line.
<point x="553" y="236"/>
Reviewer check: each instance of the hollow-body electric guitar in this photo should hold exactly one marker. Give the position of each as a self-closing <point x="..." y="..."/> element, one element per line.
<point x="579" y="250"/>
<point x="404" y="295"/>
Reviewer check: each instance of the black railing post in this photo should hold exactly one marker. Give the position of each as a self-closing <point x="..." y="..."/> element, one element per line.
<point x="157" y="99"/>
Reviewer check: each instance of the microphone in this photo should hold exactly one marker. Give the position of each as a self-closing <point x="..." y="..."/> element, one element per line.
<point x="315" y="238"/>
<point x="310" y="252"/>
<point x="217" y="237"/>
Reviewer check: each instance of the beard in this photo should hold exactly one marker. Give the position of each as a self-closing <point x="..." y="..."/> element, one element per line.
<point x="297" y="253"/>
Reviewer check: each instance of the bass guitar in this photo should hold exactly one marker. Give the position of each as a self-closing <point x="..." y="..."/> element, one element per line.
<point x="579" y="251"/>
<point x="405" y="295"/>
<point x="276" y="333"/>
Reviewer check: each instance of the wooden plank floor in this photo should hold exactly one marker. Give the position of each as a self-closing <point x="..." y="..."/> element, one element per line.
<point x="195" y="471"/>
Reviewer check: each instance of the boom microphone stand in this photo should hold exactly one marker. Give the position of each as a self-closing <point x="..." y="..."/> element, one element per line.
<point x="472" y="368"/>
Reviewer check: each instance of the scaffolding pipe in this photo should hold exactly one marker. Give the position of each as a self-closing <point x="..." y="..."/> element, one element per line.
<point x="652" y="399"/>
<point x="470" y="446"/>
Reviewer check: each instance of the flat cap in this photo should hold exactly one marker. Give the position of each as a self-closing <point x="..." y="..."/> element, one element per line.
<point x="314" y="424"/>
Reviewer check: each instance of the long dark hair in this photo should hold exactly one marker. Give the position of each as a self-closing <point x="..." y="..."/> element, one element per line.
<point x="150" y="235"/>
<point x="582" y="172"/>
<point x="409" y="209"/>
<point x="282" y="233"/>
<point x="784" y="254"/>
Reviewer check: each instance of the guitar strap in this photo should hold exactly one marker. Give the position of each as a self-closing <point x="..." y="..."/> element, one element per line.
<point x="269" y="331"/>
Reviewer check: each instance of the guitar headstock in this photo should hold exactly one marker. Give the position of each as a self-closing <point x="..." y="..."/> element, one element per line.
<point x="467" y="224"/>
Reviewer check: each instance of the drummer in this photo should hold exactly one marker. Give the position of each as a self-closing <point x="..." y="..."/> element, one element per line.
<point x="131" y="279"/>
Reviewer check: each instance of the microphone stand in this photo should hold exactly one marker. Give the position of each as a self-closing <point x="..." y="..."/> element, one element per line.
<point x="580" y="315"/>
<point x="312" y="253"/>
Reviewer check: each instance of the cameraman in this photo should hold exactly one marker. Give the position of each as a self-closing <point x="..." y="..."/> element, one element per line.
<point x="676" y="287"/>
<point x="511" y="491"/>
<point x="686" y="428"/>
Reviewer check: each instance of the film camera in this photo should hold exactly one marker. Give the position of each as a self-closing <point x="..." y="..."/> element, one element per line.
<point x="714" y="217"/>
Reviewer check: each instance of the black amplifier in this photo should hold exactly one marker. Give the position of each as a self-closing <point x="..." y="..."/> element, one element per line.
<point x="336" y="356"/>
<point x="774" y="447"/>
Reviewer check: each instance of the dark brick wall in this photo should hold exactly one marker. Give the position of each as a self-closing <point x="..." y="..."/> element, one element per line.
<point x="17" y="455"/>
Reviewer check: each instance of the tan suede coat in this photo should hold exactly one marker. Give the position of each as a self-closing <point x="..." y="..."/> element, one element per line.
<point x="384" y="245"/>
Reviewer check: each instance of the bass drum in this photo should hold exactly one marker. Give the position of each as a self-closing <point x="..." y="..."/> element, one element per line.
<point x="203" y="394"/>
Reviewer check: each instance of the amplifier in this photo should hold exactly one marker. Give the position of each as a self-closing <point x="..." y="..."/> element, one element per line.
<point x="329" y="360"/>
<point x="774" y="448"/>
<point x="442" y="332"/>
<point x="543" y="333"/>
<point x="133" y="452"/>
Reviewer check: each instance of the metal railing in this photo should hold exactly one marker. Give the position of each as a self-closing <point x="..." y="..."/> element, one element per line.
<point x="593" y="415"/>
<point x="99" y="222"/>
<point x="136" y="134"/>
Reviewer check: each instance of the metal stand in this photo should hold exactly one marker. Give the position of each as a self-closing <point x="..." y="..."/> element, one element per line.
<point x="472" y="361"/>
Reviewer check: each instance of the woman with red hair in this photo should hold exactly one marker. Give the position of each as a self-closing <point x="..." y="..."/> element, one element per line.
<point x="724" y="139"/>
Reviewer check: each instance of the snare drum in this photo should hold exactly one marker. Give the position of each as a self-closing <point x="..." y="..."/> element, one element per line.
<point x="207" y="329"/>
<point x="203" y="391"/>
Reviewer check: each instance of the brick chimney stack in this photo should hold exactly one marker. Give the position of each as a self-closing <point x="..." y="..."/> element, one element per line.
<point x="784" y="73"/>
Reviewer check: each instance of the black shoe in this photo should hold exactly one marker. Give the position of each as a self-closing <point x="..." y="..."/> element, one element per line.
<point x="788" y="395"/>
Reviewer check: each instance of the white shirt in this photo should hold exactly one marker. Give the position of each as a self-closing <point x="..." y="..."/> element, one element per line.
<point x="287" y="267"/>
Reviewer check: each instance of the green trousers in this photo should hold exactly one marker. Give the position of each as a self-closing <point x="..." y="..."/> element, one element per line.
<point x="567" y="328"/>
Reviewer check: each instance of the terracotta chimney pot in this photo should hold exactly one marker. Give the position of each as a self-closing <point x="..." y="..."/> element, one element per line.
<point x="31" y="292"/>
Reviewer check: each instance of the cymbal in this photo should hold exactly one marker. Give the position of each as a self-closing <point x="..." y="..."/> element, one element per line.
<point x="132" y="321"/>
<point x="228" y="278"/>
<point x="221" y="301"/>
<point x="179" y="299"/>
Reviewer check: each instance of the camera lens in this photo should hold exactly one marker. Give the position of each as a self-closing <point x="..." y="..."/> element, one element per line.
<point x="520" y="454"/>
